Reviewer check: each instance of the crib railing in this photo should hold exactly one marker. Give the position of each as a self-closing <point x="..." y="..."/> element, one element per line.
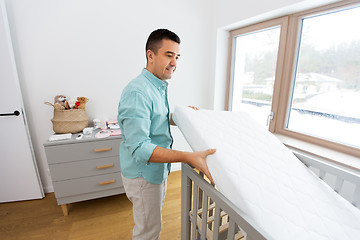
<point x="207" y="214"/>
<point x="341" y="175"/>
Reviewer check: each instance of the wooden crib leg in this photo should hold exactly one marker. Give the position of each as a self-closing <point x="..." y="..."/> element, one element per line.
<point x="65" y="209"/>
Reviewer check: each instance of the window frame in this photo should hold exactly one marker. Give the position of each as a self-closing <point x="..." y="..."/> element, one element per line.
<point x="286" y="70"/>
<point x="283" y="23"/>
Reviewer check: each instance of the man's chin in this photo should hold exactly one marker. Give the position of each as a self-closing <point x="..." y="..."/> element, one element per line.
<point x="168" y="76"/>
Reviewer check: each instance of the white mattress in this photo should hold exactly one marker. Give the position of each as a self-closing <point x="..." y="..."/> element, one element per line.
<point x="265" y="180"/>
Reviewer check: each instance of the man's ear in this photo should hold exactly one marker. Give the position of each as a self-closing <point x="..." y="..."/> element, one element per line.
<point x="150" y="55"/>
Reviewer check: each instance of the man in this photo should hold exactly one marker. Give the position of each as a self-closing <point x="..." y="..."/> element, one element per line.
<point x="145" y="152"/>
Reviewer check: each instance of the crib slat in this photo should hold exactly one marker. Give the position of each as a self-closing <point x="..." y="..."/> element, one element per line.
<point x="204" y="216"/>
<point x="210" y="207"/>
<point x="339" y="184"/>
<point x="211" y="219"/>
<point x="239" y="235"/>
<point x="194" y="214"/>
<point x="322" y="174"/>
<point x="356" y="198"/>
<point x="216" y="223"/>
<point x="186" y="191"/>
<point x="231" y="230"/>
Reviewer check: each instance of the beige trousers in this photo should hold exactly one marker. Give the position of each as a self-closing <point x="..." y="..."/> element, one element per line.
<point x="147" y="200"/>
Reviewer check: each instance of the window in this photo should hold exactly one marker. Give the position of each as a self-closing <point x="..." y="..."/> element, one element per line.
<point x="255" y="56"/>
<point x="302" y="72"/>
<point x="325" y="98"/>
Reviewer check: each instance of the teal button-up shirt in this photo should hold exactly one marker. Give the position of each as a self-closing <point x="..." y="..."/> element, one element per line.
<point x="144" y="120"/>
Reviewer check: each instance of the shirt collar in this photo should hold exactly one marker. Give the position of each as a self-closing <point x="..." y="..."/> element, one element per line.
<point x="159" y="84"/>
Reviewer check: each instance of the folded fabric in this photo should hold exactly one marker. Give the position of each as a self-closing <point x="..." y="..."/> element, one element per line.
<point x="58" y="137"/>
<point x="115" y="132"/>
<point x="103" y="134"/>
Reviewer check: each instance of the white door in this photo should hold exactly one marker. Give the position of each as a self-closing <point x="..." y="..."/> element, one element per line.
<point x="19" y="178"/>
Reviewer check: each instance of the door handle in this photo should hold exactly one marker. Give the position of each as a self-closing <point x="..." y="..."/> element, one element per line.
<point x="15" y="113"/>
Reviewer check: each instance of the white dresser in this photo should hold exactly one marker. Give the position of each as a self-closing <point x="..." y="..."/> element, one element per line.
<point x="84" y="169"/>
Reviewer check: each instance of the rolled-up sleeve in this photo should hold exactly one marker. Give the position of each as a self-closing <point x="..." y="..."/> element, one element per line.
<point x="134" y="118"/>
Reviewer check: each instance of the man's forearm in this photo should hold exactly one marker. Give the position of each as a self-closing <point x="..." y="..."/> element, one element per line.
<point x="163" y="155"/>
<point x="196" y="159"/>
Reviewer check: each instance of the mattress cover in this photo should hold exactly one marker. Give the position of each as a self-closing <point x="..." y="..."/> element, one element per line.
<point x="256" y="172"/>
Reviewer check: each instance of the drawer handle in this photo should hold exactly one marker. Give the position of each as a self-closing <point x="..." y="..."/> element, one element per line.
<point x="102" y="149"/>
<point x="108" y="182"/>
<point x="105" y="166"/>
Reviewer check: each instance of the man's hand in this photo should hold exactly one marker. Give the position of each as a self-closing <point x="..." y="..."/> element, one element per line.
<point x="172" y="123"/>
<point x="198" y="160"/>
<point x="195" y="159"/>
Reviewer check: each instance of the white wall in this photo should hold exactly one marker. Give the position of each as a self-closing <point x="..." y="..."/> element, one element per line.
<point x="93" y="48"/>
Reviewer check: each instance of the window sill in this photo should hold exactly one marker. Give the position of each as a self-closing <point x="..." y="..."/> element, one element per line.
<point x="323" y="153"/>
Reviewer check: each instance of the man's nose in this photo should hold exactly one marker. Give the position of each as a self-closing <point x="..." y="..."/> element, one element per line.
<point x="173" y="62"/>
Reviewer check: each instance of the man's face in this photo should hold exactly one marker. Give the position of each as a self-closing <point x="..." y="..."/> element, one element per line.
<point x="163" y="63"/>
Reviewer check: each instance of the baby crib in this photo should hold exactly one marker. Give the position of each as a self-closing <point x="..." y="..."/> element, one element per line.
<point x="207" y="214"/>
<point x="273" y="195"/>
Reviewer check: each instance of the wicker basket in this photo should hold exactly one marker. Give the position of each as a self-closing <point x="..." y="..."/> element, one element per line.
<point x="69" y="121"/>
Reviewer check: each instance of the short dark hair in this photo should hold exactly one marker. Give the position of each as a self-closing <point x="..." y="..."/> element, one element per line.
<point x="155" y="38"/>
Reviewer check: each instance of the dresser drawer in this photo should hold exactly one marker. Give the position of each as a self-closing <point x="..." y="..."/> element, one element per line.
<point x="81" y="151"/>
<point x="84" y="168"/>
<point x="87" y="185"/>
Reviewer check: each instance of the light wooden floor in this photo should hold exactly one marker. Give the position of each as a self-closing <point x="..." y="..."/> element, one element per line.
<point x="104" y="218"/>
